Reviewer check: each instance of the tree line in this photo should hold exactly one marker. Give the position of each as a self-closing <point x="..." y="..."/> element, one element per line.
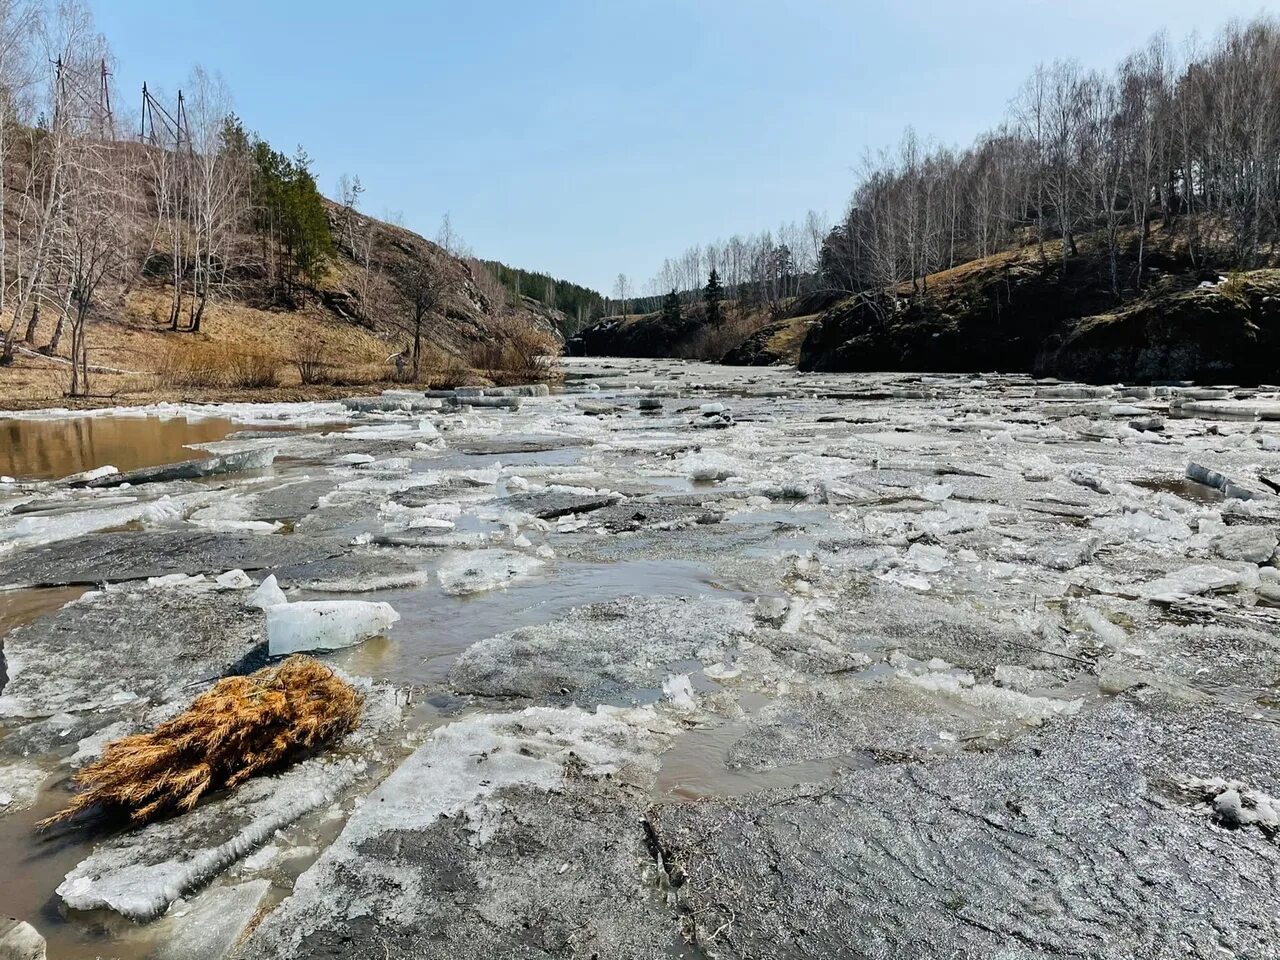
<point x="1189" y="139"/>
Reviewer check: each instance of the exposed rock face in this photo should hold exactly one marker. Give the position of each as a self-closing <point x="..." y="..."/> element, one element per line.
<point x="779" y="342"/>
<point x="992" y="316"/>
<point x="649" y="335"/>
<point x="1229" y="332"/>
<point x="1012" y="313"/>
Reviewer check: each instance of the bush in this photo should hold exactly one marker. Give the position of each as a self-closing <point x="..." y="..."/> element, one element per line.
<point x="310" y="359"/>
<point x="199" y="365"/>
<point x="251" y="369"/>
<point x="516" y="351"/>
<point x="244" y="726"/>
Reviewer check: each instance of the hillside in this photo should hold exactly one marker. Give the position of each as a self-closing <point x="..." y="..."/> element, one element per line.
<point x="1058" y="317"/>
<point x="748" y="336"/>
<point x="345" y="325"/>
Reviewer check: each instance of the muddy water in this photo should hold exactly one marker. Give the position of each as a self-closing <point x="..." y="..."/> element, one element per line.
<point x="46" y="449"/>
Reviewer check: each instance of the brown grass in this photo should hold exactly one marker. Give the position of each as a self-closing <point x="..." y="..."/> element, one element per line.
<point x="516" y="351"/>
<point x="242" y="727"/>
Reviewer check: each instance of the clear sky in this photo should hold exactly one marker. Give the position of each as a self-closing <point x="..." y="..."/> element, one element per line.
<point x="589" y="137"/>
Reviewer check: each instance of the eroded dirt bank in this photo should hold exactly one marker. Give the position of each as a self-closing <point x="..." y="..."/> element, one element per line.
<point x="693" y="661"/>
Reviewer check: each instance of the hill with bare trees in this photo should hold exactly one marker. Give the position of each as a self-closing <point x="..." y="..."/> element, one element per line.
<point x="177" y="251"/>
<point x="1117" y="225"/>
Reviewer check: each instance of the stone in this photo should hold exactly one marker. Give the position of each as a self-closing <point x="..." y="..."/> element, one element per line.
<point x="1252" y="544"/>
<point x="19" y="940"/>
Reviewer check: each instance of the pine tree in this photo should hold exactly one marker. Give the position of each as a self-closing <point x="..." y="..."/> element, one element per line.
<point x="712" y="294"/>
<point x="671" y="309"/>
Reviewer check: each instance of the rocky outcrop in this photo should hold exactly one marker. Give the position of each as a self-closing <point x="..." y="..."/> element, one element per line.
<point x="646" y="335"/>
<point x="1016" y="313"/>
<point x="778" y="343"/>
<point x="1223" y="332"/>
<point x="990" y="314"/>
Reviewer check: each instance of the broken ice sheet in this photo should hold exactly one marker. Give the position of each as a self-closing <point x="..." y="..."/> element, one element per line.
<point x="477" y="571"/>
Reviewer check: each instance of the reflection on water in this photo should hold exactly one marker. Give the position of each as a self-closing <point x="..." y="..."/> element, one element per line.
<point x="47" y="449"/>
<point x="435" y="627"/>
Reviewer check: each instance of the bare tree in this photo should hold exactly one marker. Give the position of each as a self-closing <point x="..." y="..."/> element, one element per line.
<point x="425" y="288"/>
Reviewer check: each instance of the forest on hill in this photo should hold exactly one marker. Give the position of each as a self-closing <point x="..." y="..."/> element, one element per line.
<point x="1126" y="186"/>
<point x="171" y="243"/>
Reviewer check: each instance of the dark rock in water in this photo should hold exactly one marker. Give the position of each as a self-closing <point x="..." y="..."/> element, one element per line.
<point x="1203" y="334"/>
<point x="1064" y="844"/>
<point x="646" y="514"/>
<point x="117" y="557"/>
<point x="638" y="336"/>
<point x="116" y="648"/>
<point x="1011" y="312"/>
<point x="520" y="445"/>
<point x="254" y="459"/>
<point x="552" y="504"/>
<point x="351" y="573"/>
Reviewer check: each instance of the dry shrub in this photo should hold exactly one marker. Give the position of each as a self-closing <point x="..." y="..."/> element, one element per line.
<point x="252" y="369"/>
<point x="242" y="727"/>
<point x="311" y="360"/>
<point x="516" y="351"/>
<point x="197" y="364"/>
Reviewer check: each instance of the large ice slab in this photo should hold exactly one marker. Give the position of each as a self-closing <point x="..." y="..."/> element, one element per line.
<point x="325" y="624"/>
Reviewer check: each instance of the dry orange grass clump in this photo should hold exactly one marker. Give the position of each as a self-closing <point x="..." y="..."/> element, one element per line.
<point x="242" y="727"/>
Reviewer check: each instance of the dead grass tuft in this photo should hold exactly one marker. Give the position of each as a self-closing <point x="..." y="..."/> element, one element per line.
<point x="242" y="727"/>
<point x="516" y="351"/>
<point x="197" y="364"/>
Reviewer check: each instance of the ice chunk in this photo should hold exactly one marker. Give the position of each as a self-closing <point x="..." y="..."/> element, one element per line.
<point x="679" y="690"/>
<point x="936" y="492"/>
<point x="140" y="872"/>
<point x="267" y="595"/>
<point x="208" y="927"/>
<point x="325" y="624"/>
<point x="19" y="787"/>
<point x="925" y="558"/>
<point x="709" y="465"/>
<point x="1252" y="544"/>
<point x="479" y="570"/>
<point x="233" y="580"/>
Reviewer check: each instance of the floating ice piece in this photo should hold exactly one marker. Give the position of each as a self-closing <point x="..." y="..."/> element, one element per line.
<point x="233" y="580"/>
<point x="905" y="578"/>
<point x="139" y="873"/>
<point x="709" y="465"/>
<point x="88" y="476"/>
<point x="1191" y="581"/>
<point x="1252" y="544"/>
<point x="476" y="571"/>
<point x="325" y="624"/>
<point x="19" y="787"/>
<point x="208" y="927"/>
<point x="925" y="558"/>
<point x="936" y="492"/>
<point x="1140" y="525"/>
<point x="1212" y="478"/>
<point x="357" y="458"/>
<point x="1109" y="633"/>
<point x="267" y="595"/>
<point x="1236" y="805"/>
<point x="679" y="690"/>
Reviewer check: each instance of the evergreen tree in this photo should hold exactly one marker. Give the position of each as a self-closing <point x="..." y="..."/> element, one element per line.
<point x="712" y="294"/>
<point x="289" y="214"/>
<point x="671" y="309"/>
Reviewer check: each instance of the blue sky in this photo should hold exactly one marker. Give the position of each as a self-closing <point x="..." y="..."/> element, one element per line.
<point x="588" y="138"/>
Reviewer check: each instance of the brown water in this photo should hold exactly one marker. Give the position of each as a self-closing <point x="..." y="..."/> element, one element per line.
<point x="47" y="449"/>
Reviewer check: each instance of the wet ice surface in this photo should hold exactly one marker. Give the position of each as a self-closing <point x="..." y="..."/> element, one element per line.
<point x="690" y="661"/>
